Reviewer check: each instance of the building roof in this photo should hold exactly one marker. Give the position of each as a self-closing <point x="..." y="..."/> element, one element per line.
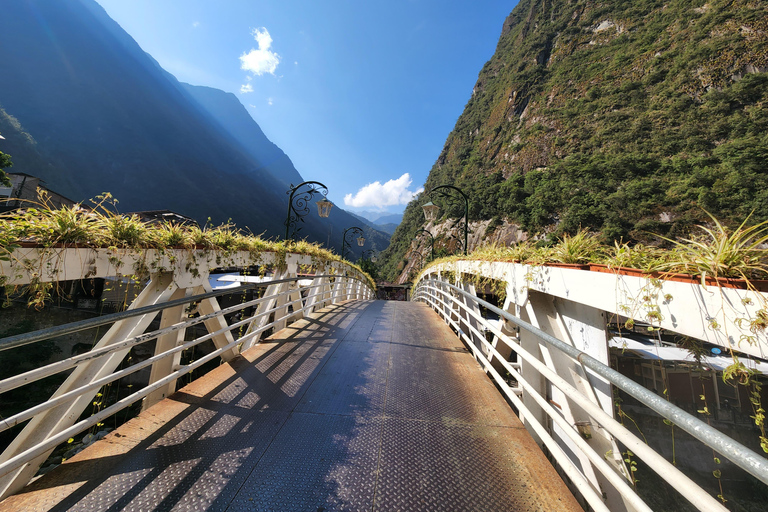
<point x="717" y="362"/>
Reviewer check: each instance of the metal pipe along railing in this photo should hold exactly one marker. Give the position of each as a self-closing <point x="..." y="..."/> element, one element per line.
<point x="324" y="290"/>
<point x="431" y="291"/>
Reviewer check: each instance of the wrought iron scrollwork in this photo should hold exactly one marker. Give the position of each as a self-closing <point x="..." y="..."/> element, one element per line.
<point x="347" y="236"/>
<point x="447" y="191"/>
<point x="298" y="204"/>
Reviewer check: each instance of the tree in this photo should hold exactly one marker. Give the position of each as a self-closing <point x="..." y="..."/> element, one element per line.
<point x="369" y="267"/>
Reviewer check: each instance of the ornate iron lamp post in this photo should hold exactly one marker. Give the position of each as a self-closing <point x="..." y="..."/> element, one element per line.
<point x="372" y="254"/>
<point x="347" y="241"/>
<point x="431" y="242"/>
<point x="430" y="210"/>
<point x="298" y="205"/>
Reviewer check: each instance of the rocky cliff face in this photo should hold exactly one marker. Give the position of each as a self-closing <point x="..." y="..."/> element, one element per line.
<point x="624" y="117"/>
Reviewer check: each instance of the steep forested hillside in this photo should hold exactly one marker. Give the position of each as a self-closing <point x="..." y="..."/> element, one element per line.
<point x="621" y="116"/>
<point x="226" y="110"/>
<point x="83" y="107"/>
<point x="100" y="116"/>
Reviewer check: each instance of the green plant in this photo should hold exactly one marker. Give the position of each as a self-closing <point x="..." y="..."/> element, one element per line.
<point x="721" y="252"/>
<point x="582" y="247"/>
<point x="102" y="226"/>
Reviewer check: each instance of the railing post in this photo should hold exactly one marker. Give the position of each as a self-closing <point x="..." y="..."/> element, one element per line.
<point x="260" y="318"/>
<point x="534" y="307"/>
<point x="467" y="320"/>
<point x="546" y="313"/>
<point x="297" y="302"/>
<point x="349" y="288"/>
<point x="327" y="292"/>
<point x="283" y="300"/>
<point x="165" y="342"/>
<point x="508" y="329"/>
<point x="338" y="289"/>
<point x="207" y="307"/>
<point x="53" y="421"/>
<point x="316" y="294"/>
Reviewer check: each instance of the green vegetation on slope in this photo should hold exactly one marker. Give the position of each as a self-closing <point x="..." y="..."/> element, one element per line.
<point x="624" y="117"/>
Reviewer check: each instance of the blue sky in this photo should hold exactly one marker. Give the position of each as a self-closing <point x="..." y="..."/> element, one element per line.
<point x="354" y="91"/>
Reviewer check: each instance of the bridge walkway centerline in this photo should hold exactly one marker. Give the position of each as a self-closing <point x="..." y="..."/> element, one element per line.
<point x="364" y="405"/>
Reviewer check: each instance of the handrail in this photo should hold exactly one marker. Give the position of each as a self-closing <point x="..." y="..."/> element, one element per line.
<point x="739" y="454"/>
<point x="60" y="330"/>
<point x="283" y="301"/>
<point x="29" y="413"/>
<point x="445" y="298"/>
<point x="65" y="364"/>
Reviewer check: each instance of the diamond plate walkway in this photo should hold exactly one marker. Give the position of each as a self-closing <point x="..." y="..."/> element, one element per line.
<point x="366" y="406"/>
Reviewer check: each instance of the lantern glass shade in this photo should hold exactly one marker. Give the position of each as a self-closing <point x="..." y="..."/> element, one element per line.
<point x="430" y="211"/>
<point x="361" y="241"/>
<point x="324" y="208"/>
<point x="373" y="259"/>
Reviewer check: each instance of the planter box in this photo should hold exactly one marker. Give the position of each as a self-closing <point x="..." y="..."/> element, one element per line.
<point x="574" y="266"/>
<point x="760" y="285"/>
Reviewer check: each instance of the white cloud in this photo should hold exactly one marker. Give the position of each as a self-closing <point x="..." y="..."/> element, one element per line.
<point x="261" y="60"/>
<point x="195" y="24"/>
<point x="376" y="195"/>
<point x="269" y="101"/>
<point x="246" y="88"/>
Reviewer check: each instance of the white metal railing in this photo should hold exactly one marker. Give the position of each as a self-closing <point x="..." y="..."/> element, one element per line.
<point x="171" y="291"/>
<point x="563" y="395"/>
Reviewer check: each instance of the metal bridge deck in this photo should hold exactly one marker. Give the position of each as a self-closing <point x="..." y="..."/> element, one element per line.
<point x="364" y="406"/>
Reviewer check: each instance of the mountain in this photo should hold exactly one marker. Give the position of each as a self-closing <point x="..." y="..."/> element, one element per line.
<point x="107" y="119"/>
<point x="378" y="217"/>
<point x="226" y="109"/>
<point x="83" y="107"/>
<point x="622" y="117"/>
<point x="395" y="218"/>
<point x="386" y="223"/>
<point x="387" y="228"/>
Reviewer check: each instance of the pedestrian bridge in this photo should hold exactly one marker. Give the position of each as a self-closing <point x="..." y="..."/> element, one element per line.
<point x="365" y="405"/>
<point x="329" y="400"/>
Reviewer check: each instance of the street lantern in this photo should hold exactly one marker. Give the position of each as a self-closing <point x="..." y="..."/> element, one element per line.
<point x="346" y="241"/>
<point x="430" y="211"/>
<point x="324" y="208"/>
<point x="373" y="258"/>
<point x="299" y="199"/>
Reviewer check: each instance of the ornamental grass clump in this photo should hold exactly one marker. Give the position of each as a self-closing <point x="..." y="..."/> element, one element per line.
<point x="720" y="252"/>
<point x="43" y="224"/>
<point x="582" y="247"/>
<point x="172" y="234"/>
<point x="124" y="231"/>
<point x="646" y="258"/>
